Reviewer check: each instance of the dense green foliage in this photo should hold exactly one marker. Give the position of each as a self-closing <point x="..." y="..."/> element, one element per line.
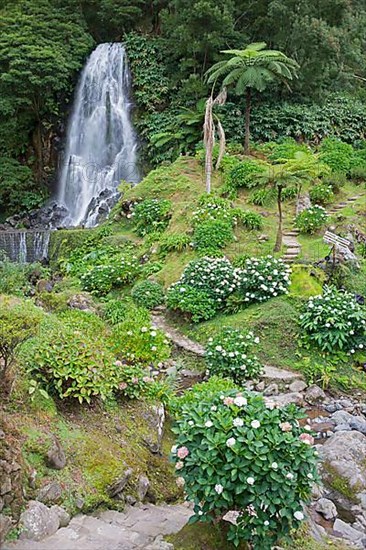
<point x="18" y="321"/>
<point x="148" y="294"/>
<point x="171" y="44"/>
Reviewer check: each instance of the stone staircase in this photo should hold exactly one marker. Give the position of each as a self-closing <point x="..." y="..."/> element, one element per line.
<point x="139" y="528"/>
<point x="292" y="245"/>
<point x="348" y="202"/>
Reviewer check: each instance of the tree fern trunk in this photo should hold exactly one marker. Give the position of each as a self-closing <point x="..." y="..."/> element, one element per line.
<point x="278" y="244"/>
<point x="247" y="121"/>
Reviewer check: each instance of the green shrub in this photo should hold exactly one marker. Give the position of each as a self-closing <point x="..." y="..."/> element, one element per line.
<point x="148" y="294"/>
<point x="336" y="154"/>
<point x="214" y="276"/>
<point x="212" y="208"/>
<point x="311" y="219"/>
<point x="229" y="355"/>
<point x="151" y="215"/>
<point x="334" y="321"/>
<point x="70" y="363"/>
<point x="115" y="311"/>
<point x="286" y="149"/>
<point x="211" y="236"/>
<point x="289" y="193"/>
<point x="102" y="278"/>
<point x="17" y="278"/>
<point x="321" y="193"/>
<point x="134" y="381"/>
<point x="176" y="242"/>
<point x="358" y="174"/>
<point x="250" y="220"/>
<point x="135" y="340"/>
<point x="197" y="303"/>
<point x="262" y="197"/>
<point x="233" y="452"/>
<point x="336" y="180"/>
<point x="262" y="278"/>
<point x="200" y="392"/>
<point x="19" y="321"/>
<point x="244" y="175"/>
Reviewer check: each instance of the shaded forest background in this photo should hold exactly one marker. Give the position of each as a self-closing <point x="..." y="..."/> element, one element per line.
<point x="171" y="43"/>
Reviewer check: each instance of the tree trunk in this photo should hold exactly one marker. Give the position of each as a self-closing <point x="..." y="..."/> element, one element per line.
<point x="278" y="244"/>
<point x="247" y="122"/>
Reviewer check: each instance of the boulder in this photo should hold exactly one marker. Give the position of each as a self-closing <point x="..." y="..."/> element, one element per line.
<point x="63" y="515"/>
<point x="38" y="521"/>
<point x="82" y="302"/>
<point x="56" y="457"/>
<point x="343" y="458"/>
<point x="341" y="417"/>
<point x="347" y="532"/>
<point x="358" y="423"/>
<point x="314" y="395"/>
<point x="143" y="487"/>
<point x="50" y="493"/>
<point x="326" y="508"/>
<point x="272" y="389"/>
<point x="5" y="526"/>
<point x="298" y="386"/>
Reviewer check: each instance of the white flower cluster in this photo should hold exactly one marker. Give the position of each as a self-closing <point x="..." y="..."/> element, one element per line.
<point x="212" y="275"/>
<point x="263" y="278"/>
<point x="336" y="312"/>
<point x="213" y="209"/>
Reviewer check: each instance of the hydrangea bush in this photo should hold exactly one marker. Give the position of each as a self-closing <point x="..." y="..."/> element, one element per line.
<point x="334" y="321"/>
<point x="311" y="219"/>
<point x="262" y="278"/>
<point x="235" y="453"/>
<point x="68" y="363"/>
<point x="148" y="294"/>
<point x="202" y="288"/>
<point x="216" y="280"/>
<point x="229" y="354"/>
<point x="321" y="193"/>
<point x="151" y="215"/>
<point x="211" y="208"/>
<point x="137" y="341"/>
<point x="102" y="278"/>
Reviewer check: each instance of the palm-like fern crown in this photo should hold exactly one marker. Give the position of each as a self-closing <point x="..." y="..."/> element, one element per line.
<point x="253" y="67"/>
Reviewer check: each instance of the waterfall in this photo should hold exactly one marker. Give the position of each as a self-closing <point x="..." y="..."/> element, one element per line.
<point x="25" y="246"/>
<point x="101" y="144"/>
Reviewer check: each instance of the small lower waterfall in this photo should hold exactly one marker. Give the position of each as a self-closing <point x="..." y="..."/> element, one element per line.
<point x="101" y="143"/>
<point x="25" y="246"/>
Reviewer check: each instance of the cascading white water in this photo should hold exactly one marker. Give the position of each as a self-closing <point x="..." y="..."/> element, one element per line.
<point x="25" y="246"/>
<point x="101" y="143"/>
